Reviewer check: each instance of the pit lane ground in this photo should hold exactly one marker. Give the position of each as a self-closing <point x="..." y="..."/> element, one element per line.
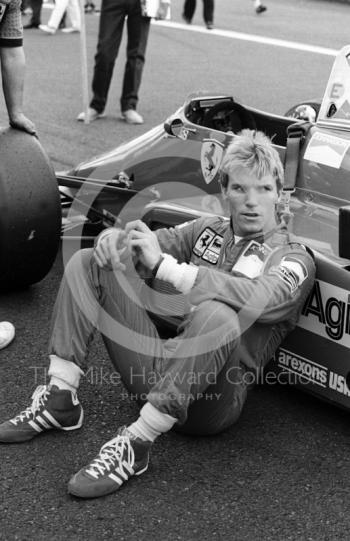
<point x="282" y="472"/>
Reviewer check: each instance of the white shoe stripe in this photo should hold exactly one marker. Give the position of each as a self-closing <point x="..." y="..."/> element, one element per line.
<point x="42" y="422"/>
<point x="128" y="468"/>
<point x="116" y="479"/>
<point x="35" y="426"/>
<point x="51" y="419"/>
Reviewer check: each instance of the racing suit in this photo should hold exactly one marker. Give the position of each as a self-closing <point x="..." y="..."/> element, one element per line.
<point x="235" y="302"/>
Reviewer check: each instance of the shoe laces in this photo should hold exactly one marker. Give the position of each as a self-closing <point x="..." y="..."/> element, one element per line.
<point x="118" y="450"/>
<point x="38" y="398"/>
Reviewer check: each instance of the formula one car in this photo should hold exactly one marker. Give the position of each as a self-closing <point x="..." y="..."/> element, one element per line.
<point x="169" y="175"/>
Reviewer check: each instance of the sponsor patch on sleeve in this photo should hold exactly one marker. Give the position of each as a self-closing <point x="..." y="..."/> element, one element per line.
<point x="208" y="246"/>
<point x="291" y="271"/>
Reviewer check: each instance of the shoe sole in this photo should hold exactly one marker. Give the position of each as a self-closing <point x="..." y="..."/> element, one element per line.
<point x="72" y="491"/>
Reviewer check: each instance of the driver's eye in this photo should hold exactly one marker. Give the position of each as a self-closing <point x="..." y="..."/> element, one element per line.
<point x="236" y="188"/>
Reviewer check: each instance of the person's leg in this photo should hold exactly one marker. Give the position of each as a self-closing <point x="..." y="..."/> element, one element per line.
<point x="57" y="13"/>
<point x="208" y="11"/>
<point x="204" y="366"/>
<point x="73" y="11"/>
<point x="85" y="301"/>
<point x="138" y="30"/>
<point x="210" y="338"/>
<point x="188" y="10"/>
<point x="113" y="13"/>
<point x="36" y="6"/>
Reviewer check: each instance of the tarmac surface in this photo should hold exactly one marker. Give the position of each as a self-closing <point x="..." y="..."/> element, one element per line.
<point x="282" y="472"/>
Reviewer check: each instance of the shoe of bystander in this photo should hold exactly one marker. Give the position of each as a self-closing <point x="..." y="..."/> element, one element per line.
<point x="92" y="115"/>
<point x="132" y="117"/>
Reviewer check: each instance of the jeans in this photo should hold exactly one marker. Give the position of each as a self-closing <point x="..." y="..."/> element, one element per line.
<point x="208" y="10"/>
<point x="36" y="6"/>
<point x="204" y="389"/>
<point x="112" y="19"/>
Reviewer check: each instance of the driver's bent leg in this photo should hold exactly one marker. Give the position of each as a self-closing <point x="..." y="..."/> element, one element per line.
<point x="90" y="298"/>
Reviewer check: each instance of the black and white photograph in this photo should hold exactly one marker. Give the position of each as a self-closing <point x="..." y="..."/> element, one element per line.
<point x="174" y="270"/>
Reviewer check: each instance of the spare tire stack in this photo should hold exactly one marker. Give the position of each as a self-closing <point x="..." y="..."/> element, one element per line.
<point x="30" y="210"/>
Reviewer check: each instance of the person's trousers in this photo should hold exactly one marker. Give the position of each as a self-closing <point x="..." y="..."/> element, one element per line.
<point x="195" y="377"/>
<point x="73" y="12"/>
<point x="112" y="19"/>
<point x="208" y="10"/>
<point x="36" y="6"/>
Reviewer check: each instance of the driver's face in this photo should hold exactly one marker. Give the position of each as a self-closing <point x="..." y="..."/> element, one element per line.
<point x="251" y="202"/>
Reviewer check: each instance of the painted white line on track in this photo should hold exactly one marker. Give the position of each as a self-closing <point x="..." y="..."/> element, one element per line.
<point x="251" y="37"/>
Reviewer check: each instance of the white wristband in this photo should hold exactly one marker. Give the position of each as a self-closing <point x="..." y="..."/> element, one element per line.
<point x="181" y="276"/>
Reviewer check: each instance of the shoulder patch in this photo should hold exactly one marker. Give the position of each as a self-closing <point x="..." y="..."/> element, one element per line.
<point x="208" y="245"/>
<point x="291" y="271"/>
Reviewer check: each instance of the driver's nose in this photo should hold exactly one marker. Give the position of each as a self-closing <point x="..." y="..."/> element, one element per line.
<point x="251" y="198"/>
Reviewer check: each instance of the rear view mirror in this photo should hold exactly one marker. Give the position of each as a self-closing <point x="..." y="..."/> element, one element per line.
<point x="174" y="126"/>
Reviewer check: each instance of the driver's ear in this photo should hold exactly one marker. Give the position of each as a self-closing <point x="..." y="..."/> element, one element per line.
<point x="223" y="181"/>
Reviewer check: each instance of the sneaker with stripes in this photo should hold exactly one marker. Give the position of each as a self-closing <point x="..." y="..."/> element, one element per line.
<point x="51" y="408"/>
<point x="118" y="460"/>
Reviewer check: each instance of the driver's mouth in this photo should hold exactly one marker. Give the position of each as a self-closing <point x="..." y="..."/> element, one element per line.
<point x="251" y="215"/>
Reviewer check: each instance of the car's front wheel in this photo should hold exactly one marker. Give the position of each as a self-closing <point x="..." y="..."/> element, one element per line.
<point x="30" y="210"/>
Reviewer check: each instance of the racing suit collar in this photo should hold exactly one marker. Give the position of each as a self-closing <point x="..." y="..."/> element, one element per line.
<point x="261" y="237"/>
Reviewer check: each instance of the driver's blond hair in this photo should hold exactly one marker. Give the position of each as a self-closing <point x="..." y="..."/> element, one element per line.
<point x="253" y="150"/>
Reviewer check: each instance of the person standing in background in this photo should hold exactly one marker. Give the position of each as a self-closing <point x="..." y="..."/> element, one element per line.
<point x="208" y="12"/>
<point x="114" y="13"/>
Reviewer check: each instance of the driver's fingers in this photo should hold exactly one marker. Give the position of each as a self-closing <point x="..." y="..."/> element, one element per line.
<point x="102" y="250"/>
<point x="113" y="252"/>
<point x="99" y="258"/>
<point x="138" y="225"/>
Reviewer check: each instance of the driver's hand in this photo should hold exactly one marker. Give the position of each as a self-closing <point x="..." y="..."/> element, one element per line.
<point x="143" y="242"/>
<point x="109" y="250"/>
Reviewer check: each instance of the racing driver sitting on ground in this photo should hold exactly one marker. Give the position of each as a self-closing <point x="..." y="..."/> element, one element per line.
<point x="238" y="286"/>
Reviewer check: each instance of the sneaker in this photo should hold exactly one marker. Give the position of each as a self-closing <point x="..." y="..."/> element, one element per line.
<point x="118" y="460"/>
<point x="51" y="408"/>
<point x="7" y="333"/>
<point x="48" y="29"/>
<point x="92" y="114"/>
<point x="70" y="29"/>
<point x="132" y="117"/>
<point x="260" y="9"/>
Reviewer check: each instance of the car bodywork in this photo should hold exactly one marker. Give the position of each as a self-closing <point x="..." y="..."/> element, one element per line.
<point x="169" y="175"/>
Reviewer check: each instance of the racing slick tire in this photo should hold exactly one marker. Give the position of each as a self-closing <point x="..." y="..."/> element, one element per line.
<point x="30" y="210"/>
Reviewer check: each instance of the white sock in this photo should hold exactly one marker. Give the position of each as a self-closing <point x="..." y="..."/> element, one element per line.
<point x="257" y="3"/>
<point x="151" y="423"/>
<point x="64" y="374"/>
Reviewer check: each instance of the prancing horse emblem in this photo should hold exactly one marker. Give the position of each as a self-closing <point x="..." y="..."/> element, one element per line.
<point x="211" y="156"/>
